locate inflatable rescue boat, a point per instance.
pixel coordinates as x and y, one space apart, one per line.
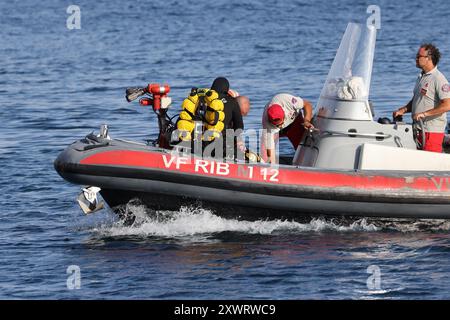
350 165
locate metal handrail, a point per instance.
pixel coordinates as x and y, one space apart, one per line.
370 135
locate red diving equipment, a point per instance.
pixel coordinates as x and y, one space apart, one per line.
157 91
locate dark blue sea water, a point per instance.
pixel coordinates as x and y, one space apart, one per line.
57 85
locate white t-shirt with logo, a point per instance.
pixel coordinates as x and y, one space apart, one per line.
430 89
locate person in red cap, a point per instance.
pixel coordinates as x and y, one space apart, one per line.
282 117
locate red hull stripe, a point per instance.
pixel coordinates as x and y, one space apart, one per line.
153 160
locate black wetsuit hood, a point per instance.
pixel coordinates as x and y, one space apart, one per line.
221 85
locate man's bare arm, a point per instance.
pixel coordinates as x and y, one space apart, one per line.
308 114
443 107
403 110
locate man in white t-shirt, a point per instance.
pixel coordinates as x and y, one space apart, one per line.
431 98
282 117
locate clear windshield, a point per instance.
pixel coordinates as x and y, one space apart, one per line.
351 71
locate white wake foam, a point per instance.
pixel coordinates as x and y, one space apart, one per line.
198 221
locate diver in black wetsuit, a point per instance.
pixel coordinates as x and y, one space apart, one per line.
233 117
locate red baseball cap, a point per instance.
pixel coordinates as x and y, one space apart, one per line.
275 114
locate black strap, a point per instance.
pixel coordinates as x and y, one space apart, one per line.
190 113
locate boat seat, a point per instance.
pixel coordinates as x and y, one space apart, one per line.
380 157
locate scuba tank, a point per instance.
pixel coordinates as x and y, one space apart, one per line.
214 115
202 105
186 122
